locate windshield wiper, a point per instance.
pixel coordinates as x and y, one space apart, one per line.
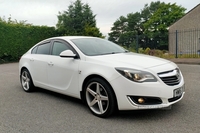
110 53
126 51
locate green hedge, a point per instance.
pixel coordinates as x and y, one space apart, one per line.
16 39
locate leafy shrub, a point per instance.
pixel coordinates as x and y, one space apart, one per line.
16 39
147 50
141 50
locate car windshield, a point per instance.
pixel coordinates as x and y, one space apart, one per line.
97 46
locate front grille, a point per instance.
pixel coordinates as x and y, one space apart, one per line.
170 78
173 80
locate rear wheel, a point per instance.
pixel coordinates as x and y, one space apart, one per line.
99 97
26 81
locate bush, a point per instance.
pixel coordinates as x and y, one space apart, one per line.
141 50
147 50
16 39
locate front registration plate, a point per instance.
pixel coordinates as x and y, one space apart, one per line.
178 92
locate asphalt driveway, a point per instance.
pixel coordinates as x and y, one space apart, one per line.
47 112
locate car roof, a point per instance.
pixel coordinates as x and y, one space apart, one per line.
67 38
71 37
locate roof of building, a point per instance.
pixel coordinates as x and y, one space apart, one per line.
185 14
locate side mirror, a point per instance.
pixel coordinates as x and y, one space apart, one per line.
67 54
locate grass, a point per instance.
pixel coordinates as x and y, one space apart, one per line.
164 53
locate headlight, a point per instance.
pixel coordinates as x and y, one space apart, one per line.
137 75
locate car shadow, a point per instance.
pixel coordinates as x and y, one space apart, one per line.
59 96
123 115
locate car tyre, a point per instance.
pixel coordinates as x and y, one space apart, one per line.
26 81
100 97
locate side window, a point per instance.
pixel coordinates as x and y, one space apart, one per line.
58 47
43 49
34 50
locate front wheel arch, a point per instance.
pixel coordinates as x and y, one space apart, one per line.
90 77
83 96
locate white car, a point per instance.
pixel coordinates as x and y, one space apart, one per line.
104 75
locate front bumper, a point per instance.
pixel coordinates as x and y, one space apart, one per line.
158 94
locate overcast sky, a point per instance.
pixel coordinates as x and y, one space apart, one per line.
44 12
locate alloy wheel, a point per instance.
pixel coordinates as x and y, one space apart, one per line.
97 98
25 79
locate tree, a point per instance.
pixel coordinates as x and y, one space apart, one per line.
156 28
146 13
119 28
148 28
149 10
134 30
78 20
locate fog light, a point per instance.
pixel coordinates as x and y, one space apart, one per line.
141 100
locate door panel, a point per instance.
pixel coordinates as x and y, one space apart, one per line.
38 68
38 64
62 73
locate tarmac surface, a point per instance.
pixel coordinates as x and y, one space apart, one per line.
194 61
43 111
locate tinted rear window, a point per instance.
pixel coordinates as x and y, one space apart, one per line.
43 49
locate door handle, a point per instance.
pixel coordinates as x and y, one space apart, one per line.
31 59
50 64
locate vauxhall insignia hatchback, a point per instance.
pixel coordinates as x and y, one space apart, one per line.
102 74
